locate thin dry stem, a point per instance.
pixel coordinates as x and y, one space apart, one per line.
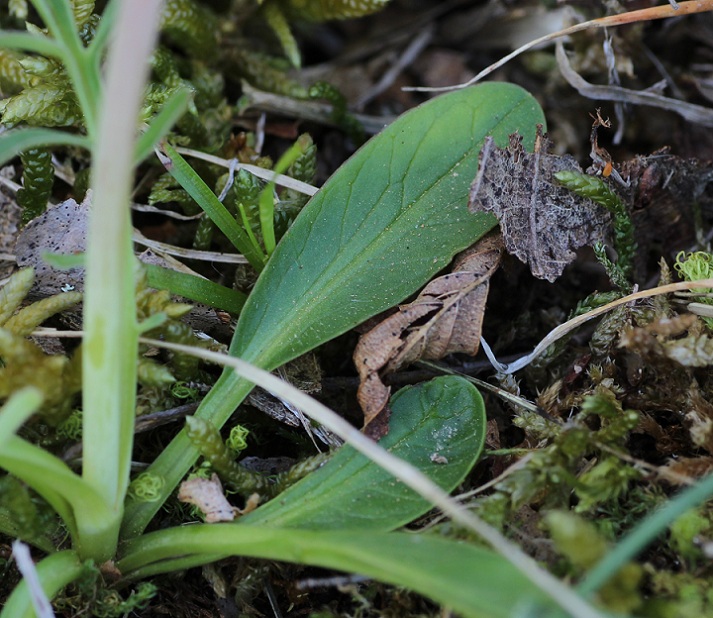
650 14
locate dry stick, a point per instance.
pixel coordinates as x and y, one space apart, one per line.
691 112
563 329
656 12
189 254
569 600
306 110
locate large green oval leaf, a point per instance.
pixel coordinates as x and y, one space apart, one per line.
390 218
439 427
387 220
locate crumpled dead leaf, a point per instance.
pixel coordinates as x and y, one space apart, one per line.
446 318
683 470
543 223
208 496
699 419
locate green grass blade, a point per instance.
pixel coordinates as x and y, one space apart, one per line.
54 572
15 141
207 200
469 580
644 534
196 289
267 204
442 418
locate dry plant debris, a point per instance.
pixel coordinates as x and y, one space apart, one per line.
543 223
61 229
446 318
208 496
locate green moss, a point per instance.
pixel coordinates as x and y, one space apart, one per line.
687 532
597 190
37 181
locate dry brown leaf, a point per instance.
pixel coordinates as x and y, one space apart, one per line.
686 468
543 223
699 419
446 317
207 495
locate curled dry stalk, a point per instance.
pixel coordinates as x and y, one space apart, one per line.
563 329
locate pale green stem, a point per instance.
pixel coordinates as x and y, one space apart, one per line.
59 20
111 331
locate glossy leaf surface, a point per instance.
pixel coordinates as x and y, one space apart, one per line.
439 427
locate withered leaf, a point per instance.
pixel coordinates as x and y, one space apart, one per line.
208 496
682 469
543 223
61 229
699 419
446 317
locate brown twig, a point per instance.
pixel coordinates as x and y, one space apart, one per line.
693 113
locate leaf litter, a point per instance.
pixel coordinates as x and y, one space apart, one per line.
543 223
445 318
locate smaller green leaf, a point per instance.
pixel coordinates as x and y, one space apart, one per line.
18 408
153 321
25 41
171 111
65 261
438 427
54 572
59 19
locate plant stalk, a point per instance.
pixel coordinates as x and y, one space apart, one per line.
111 330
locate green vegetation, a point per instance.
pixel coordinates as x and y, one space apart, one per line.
139 86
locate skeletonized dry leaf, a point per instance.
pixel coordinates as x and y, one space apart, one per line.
543 223
446 317
61 229
207 495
